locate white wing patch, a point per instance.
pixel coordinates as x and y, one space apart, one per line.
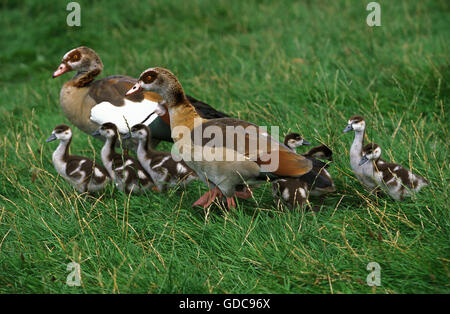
131 112
181 169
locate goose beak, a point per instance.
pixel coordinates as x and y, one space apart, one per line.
63 68
363 160
96 133
51 138
306 143
136 88
348 128
125 136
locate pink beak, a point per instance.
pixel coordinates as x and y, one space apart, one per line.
136 88
63 68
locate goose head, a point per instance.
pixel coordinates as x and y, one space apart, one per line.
294 140
371 151
140 132
61 132
355 123
81 59
158 80
107 130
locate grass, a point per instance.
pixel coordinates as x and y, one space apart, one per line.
305 66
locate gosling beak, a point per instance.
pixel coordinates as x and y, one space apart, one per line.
136 88
63 68
96 133
125 136
348 128
51 138
306 143
363 160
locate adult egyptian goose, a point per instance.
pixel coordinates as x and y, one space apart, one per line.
126 172
394 179
358 125
164 170
83 173
210 149
88 103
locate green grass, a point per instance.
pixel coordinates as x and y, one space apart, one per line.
303 65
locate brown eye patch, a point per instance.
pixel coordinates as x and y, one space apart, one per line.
149 77
76 56
73 56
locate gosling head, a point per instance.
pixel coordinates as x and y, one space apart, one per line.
140 132
294 140
355 123
61 132
81 59
107 130
158 80
370 152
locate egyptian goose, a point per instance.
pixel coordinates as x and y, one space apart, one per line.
225 168
83 173
294 140
88 103
164 170
357 124
390 177
126 172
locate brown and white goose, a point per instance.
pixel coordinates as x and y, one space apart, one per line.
126 172
88 103
164 170
83 173
294 140
225 165
394 179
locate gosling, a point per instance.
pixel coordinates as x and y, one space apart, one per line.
357 124
83 173
126 172
294 140
164 170
394 179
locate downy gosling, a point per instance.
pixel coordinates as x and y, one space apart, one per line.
83 173
392 178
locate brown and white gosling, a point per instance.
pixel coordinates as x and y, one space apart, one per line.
294 140
164 170
83 173
126 172
357 124
394 179
294 192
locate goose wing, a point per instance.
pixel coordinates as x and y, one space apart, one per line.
111 104
253 143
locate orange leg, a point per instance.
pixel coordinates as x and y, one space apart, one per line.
230 202
206 199
247 193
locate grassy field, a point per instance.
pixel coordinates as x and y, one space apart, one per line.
306 66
